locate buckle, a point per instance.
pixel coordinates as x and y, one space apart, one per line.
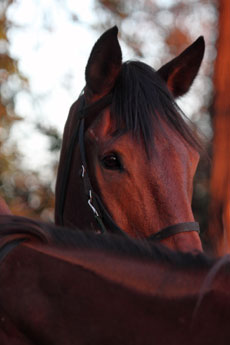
90 200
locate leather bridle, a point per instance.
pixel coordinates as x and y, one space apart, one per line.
101 215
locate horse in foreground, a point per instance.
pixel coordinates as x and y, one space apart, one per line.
61 286
128 156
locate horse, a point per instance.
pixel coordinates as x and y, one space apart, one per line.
128 156
129 178
64 286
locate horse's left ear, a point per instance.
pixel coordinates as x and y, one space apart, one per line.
103 66
180 72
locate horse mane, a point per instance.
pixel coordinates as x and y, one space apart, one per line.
140 98
23 229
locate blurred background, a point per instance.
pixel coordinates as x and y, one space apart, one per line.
44 47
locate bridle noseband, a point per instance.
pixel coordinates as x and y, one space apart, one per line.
95 203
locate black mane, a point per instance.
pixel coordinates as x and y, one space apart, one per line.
140 96
16 229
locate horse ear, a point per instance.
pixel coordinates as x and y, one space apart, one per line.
180 72
103 65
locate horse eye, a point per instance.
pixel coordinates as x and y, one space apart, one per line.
112 162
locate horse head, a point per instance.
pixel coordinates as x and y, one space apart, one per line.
128 156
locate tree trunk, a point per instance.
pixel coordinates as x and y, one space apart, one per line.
219 226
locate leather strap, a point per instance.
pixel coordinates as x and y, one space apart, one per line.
100 213
175 229
85 111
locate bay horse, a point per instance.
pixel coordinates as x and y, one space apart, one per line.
63 286
128 156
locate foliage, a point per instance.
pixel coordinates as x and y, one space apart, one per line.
23 190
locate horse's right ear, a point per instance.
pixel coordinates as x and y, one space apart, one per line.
103 66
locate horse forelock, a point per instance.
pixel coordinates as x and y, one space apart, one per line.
141 99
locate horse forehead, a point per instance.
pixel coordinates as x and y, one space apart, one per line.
102 126
103 132
168 144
